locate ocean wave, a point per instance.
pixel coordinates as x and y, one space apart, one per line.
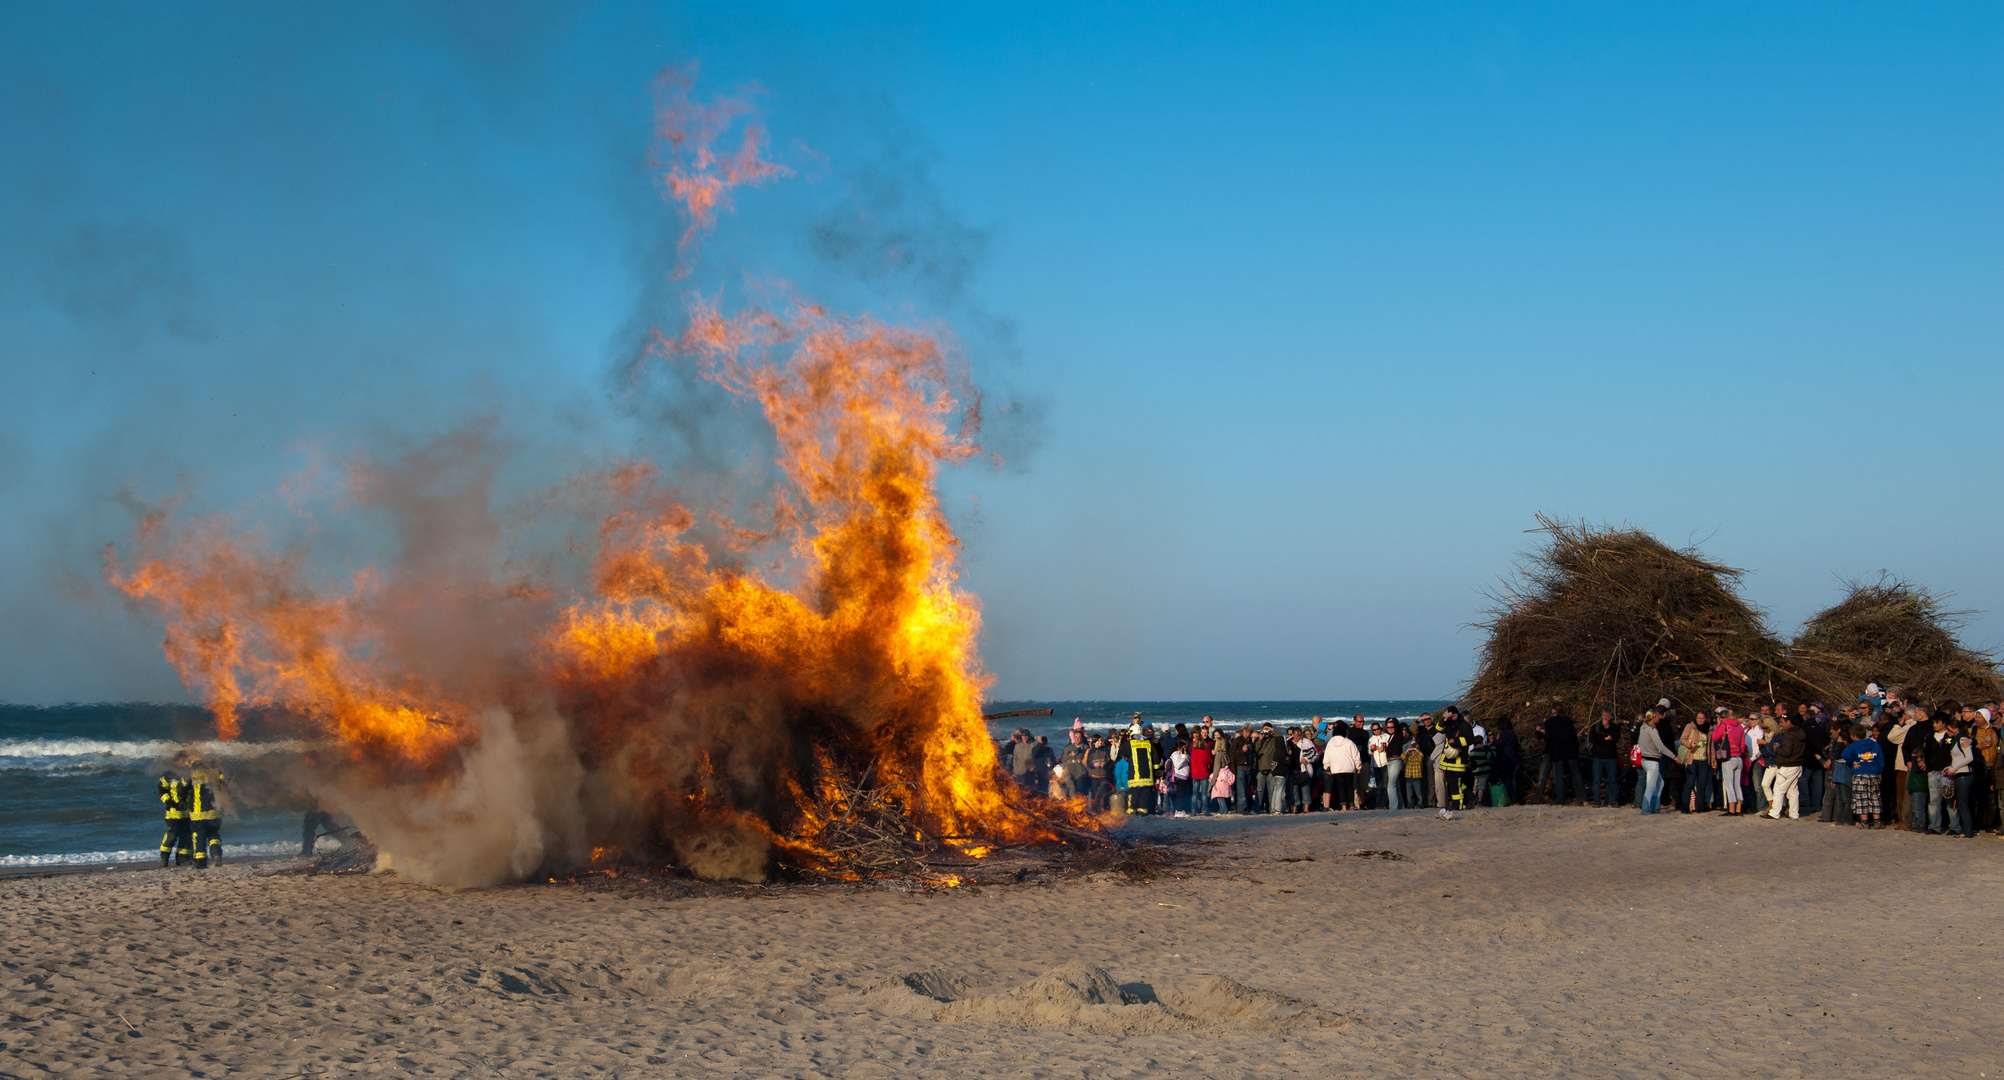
18 753
91 858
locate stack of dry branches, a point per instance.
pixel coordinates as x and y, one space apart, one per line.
1896 634
1615 617
869 831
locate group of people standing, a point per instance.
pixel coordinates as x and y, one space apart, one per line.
1211 769
191 799
1882 761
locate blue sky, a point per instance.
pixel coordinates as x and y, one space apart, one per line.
1308 309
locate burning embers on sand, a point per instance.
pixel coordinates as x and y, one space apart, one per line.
716 692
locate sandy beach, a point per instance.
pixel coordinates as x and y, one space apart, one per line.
1519 942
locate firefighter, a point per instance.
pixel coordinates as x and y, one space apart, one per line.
176 798
1454 762
205 813
1141 778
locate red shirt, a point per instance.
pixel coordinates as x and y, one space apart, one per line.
1200 763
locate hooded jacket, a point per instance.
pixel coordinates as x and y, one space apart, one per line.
1342 757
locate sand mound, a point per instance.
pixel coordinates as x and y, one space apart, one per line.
1222 1000
1082 997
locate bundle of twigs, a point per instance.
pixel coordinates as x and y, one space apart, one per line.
1615 617
356 855
869 831
1894 633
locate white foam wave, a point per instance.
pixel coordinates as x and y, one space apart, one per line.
92 858
17 753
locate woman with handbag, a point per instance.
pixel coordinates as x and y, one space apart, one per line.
1729 748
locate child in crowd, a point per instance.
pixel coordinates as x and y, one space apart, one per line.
1837 789
1865 762
1415 771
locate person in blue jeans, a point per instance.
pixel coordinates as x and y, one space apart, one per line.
1962 775
1654 750
1603 742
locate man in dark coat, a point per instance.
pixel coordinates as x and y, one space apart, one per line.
1562 750
1603 740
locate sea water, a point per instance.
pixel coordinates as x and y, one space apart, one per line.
80 783
80 779
1107 715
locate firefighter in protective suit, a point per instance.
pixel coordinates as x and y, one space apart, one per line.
205 814
1141 778
177 799
1454 761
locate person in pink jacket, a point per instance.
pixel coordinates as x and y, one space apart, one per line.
1729 749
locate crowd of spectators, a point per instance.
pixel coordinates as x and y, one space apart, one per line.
1880 762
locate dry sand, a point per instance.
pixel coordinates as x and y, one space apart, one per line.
1519 942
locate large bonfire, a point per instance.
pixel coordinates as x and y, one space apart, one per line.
683 703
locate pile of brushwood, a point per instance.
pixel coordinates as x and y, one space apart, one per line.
869 834
1896 634
1603 617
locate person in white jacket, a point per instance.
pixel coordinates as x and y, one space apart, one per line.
1340 763
1380 747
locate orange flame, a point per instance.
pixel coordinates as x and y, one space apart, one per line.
706 703
693 170
244 629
